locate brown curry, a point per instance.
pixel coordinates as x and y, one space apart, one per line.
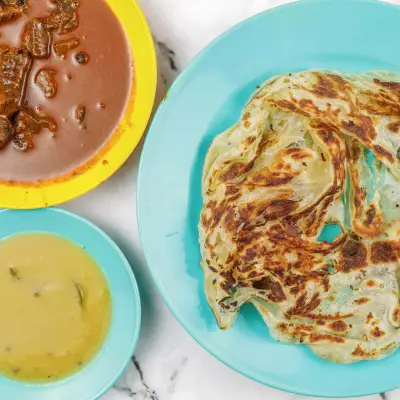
65 80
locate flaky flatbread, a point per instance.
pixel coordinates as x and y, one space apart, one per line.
312 149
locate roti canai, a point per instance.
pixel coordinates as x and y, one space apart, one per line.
312 151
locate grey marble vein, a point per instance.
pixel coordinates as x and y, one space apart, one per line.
167 65
152 393
133 385
173 379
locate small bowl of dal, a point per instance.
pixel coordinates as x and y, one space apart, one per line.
69 309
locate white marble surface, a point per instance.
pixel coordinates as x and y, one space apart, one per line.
168 363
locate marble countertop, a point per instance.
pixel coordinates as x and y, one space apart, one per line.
168 364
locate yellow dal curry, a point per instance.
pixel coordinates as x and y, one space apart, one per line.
55 307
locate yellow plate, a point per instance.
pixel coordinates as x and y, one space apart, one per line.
123 141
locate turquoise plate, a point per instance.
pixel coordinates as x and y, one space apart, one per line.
101 373
348 35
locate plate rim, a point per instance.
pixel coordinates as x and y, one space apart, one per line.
180 80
